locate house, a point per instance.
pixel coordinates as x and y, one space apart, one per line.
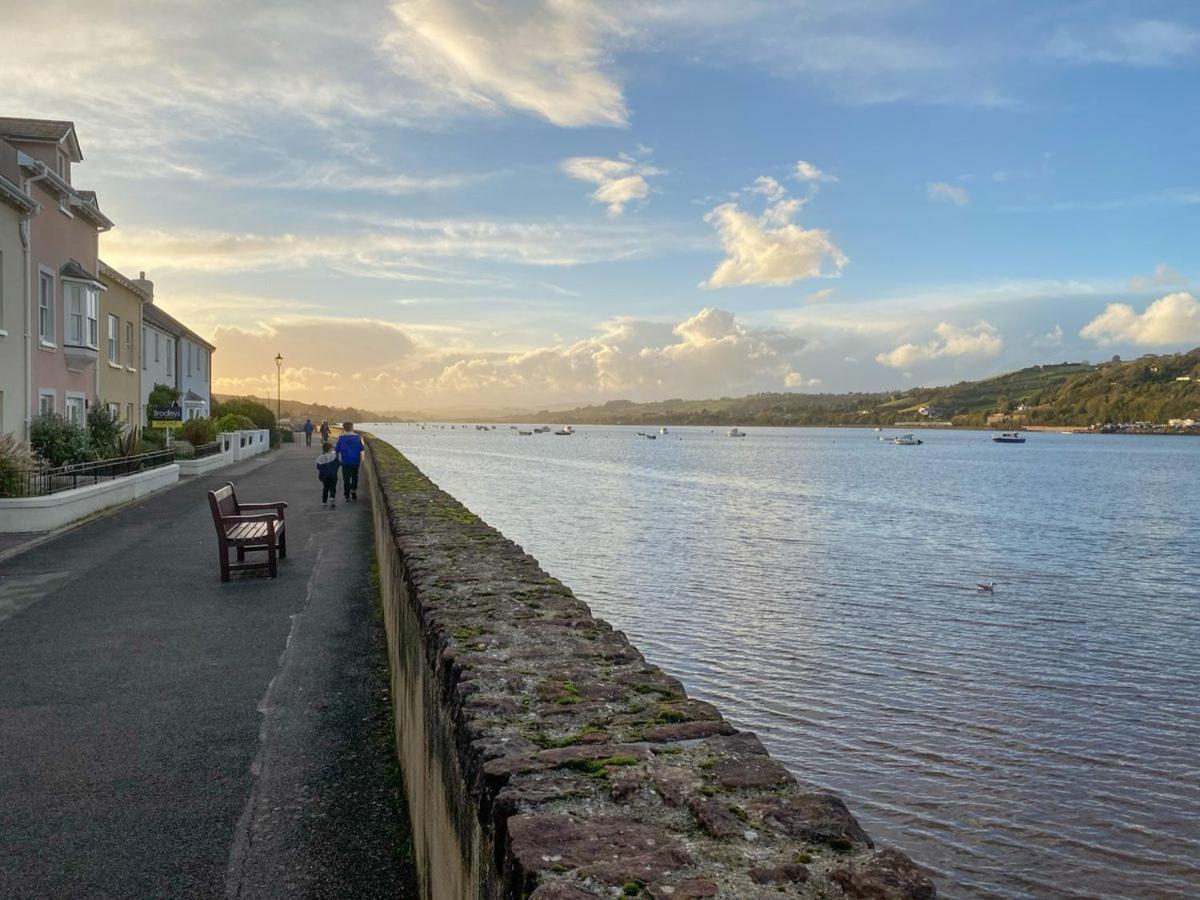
16 209
175 355
121 343
63 266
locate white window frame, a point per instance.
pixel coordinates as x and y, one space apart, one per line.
170 358
129 361
91 305
67 404
114 409
114 340
156 343
47 321
189 358
145 341
81 303
47 394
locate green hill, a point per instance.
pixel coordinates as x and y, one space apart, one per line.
1150 389
299 410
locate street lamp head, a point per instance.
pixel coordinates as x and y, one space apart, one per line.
278 359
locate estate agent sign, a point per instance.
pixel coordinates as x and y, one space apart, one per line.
166 416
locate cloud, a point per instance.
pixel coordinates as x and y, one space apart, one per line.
383 366
1173 319
822 296
806 171
381 247
1162 276
1149 43
950 193
620 181
770 249
980 340
1051 339
546 57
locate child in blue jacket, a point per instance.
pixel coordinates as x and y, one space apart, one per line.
327 471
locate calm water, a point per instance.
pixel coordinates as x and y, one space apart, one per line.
818 585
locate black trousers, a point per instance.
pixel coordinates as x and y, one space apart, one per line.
308 439
328 488
349 479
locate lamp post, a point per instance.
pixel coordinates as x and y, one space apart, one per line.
278 376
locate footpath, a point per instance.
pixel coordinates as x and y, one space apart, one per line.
164 734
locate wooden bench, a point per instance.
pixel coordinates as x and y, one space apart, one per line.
244 527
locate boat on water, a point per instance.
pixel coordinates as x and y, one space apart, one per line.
565 430
736 432
907 440
663 430
525 433
542 429
1008 437
652 437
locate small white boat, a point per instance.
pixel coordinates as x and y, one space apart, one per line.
736 432
907 440
1008 437
663 430
565 430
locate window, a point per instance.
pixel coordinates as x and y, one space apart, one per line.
114 340
170 357
114 410
45 402
203 365
156 346
83 326
188 344
143 346
129 414
129 344
76 410
46 307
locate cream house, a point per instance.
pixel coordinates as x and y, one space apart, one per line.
16 209
121 342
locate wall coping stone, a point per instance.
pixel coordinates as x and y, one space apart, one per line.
591 771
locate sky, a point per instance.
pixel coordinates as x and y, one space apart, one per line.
464 204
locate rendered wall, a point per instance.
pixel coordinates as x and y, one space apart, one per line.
545 758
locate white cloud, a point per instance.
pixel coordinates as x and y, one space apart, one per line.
770 249
950 193
620 181
806 171
1162 276
1051 339
822 296
382 365
547 57
1173 319
982 339
1150 42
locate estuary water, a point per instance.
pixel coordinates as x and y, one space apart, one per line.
818 585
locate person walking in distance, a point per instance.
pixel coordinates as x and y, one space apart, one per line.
324 431
327 469
308 430
350 449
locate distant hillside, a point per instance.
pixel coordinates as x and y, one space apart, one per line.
1149 389
300 410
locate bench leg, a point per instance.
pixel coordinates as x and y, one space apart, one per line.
271 567
241 554
283 546
223 556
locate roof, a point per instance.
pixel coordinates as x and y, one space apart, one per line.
193 397
108 273
163 321
43 131
72 269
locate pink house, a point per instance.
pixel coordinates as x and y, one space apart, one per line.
62 270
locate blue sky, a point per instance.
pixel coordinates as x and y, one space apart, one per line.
461 205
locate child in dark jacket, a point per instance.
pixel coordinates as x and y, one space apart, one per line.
327 471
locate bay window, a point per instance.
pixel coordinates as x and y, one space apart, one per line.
114 340
83 326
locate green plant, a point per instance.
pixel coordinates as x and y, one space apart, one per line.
104 430
14 460
234 422
130 443
59 442
198 431
161 395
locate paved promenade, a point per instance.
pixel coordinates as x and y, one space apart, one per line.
163 734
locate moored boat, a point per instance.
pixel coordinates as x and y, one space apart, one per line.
1008 437
736 432
907 440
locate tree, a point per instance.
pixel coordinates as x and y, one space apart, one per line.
104 429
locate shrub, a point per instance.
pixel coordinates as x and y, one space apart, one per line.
161 395
261 416
104 430
198 431
59 442
235 422
14 460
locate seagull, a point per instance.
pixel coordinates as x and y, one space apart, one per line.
987 587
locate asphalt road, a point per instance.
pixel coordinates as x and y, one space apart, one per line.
166 735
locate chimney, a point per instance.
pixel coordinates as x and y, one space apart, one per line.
147 286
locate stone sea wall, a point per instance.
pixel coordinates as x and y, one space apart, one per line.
544 758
